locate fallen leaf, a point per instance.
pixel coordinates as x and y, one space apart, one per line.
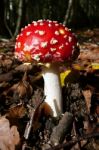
63 76
9 137
17 111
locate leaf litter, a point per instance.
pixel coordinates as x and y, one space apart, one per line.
26 121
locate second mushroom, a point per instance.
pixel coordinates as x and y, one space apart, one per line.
48 43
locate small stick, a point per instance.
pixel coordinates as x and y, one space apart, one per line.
29 124
73 142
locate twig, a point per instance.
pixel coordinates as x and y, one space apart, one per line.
62 129
6 24
29 124
73 142
68 11
19 18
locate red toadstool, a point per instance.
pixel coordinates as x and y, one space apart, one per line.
46 41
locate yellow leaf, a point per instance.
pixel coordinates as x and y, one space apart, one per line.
63 76
95 66
78 67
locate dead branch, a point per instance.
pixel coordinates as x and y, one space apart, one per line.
73 142
30 123
61 129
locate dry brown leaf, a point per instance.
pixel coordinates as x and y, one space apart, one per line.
17 111
15 134
43 109
24 67
87 54
22 88
7 63
6 76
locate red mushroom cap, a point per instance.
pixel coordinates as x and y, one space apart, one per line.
45 41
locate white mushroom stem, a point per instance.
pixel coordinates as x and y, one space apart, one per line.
52 89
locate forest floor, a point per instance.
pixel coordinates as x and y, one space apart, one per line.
25 121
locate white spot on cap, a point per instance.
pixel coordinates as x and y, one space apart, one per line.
41 23
56 24
47 55
22 29
40 32
53 49
19 55
65 36
56 32
21 34
55 21
66 43
53 41
73 49
36 56
69 38
49 21
16 54
66 28
27 47
35 42
17 37
29 25
26 27
18 44
36 31
40 20
34 23
28 33
61 46
57 55
44 44
15 46
77 44
49 25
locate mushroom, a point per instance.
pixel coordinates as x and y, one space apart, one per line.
48 43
